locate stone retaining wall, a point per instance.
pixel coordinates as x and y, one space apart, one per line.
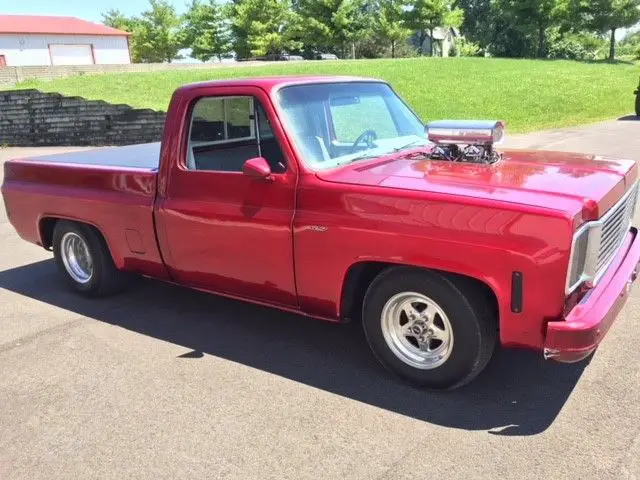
34 118
11 75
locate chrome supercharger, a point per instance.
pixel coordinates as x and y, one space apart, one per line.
469 141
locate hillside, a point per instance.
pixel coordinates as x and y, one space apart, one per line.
528 94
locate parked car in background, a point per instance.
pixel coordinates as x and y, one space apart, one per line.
285 57
326 56
316 55
325 196
277 57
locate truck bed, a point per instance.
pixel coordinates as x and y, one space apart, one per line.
145 156
110 188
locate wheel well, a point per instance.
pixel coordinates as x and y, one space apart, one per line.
360 275
478 290
46 227
357 281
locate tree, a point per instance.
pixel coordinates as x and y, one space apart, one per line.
206 31
478 21
531 18
609 16
525 28
390 23
263 27
427 15
333 25
116 19
157 33
353 22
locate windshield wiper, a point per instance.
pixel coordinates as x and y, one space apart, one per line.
361 157
375 155
410 144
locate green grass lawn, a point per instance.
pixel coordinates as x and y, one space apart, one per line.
528 94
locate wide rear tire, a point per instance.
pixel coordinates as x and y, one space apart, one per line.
84 260
428 329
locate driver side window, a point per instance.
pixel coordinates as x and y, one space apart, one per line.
354 115
225 132
222 134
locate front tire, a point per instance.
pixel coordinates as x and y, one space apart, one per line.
83 258
427 329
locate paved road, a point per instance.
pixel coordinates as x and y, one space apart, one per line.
163 382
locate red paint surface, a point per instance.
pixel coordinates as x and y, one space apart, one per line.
290 240
39 24
113 200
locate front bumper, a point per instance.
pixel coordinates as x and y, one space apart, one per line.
581 331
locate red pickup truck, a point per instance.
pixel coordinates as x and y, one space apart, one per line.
327 196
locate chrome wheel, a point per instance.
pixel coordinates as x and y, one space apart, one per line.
417 330
76 257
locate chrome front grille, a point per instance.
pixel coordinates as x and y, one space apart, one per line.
615 225
596 243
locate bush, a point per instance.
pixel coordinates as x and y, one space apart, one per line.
629 46
375 49
467 48
579 46
403 50
626 50
370 48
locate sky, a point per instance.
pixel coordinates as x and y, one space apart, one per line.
86 9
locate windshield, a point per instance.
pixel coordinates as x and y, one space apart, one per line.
334 124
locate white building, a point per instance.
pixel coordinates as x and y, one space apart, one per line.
444 39
38 40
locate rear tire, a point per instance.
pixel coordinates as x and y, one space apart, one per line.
449 338
83 258
638 103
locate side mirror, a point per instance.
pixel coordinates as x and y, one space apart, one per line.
257 168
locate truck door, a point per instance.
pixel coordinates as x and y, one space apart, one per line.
218 228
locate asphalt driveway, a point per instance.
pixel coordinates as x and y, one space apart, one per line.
163 382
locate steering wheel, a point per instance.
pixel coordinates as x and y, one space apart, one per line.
368 136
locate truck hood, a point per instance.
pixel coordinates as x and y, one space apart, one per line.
560 181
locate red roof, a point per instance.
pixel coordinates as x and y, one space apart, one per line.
54 25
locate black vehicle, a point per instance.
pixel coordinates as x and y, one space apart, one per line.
637 92
277 57
284 57
311 54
